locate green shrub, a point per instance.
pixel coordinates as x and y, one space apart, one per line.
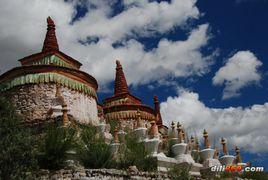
17 144
113 124
55 145
133 153
255 175
180 172
93 152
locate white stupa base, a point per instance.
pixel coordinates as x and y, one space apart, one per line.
140 134
151 145
211 162
207 154
159 155
227 159
195 169
185 158
179 149
165 164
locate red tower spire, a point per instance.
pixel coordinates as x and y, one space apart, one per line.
157 111
50 42
120 84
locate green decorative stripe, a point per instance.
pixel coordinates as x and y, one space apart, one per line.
48 78
52 59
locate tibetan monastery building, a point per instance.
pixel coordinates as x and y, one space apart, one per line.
124 107
47 80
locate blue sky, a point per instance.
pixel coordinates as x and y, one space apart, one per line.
206 60
235 26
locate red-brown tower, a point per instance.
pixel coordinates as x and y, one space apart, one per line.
50 42
32 86
120 84
124 107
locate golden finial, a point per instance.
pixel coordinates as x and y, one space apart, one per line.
172 125
180 134
172 134
237 150
183 135
206 141
224 147
238 158
140 123
192 139
205 133
178 125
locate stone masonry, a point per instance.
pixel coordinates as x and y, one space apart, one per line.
35 101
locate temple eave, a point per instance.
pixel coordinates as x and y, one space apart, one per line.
73 75
30 59
123 95
127 112
126 107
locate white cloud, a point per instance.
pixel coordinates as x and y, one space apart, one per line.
180 59
22 30
244 127
23 26
143 18
240 70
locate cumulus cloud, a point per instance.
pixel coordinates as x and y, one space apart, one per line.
22 27
244 127
22 30
239 71
142 18
179 59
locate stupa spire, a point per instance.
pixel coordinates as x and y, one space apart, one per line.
157 111
173 133
120 84
180 135
206 141
50 42
153 132
238 158
224 147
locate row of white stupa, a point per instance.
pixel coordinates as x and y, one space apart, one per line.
183 151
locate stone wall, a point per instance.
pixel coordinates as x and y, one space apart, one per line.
101 174
35 101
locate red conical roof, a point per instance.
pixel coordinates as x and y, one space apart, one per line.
50 43
120 84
